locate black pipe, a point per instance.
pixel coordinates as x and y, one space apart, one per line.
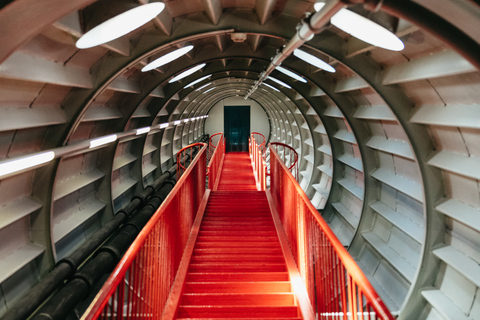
105 259
435 25
67 267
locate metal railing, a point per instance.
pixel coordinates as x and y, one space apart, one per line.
216 161
288 155
258 162
185 156
337 287
140 284
261 141
212 144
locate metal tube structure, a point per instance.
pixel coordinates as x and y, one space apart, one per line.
307 30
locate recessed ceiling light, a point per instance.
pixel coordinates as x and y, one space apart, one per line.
187 73
163 125
291 74
197 81
177 122
209 89
364 29
271 87
169 57
309 58
120 25
279 82
204 86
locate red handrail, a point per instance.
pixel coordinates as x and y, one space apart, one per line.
182 157
335 284
293 165
212 146
216 162
140 284
261 141
258 163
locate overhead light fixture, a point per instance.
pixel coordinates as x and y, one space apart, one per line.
309 58
364 29
186 120
291 74
209 90
187 73
177 122
102 141
279 82
271 87
120 25
197 81
204 86
169 57
17 165
143 130
163 125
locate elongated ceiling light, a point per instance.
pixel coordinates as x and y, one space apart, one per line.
17 165
204 86
271 87
309 58
187 73
291 74
103 140
364 29
197 81
120 25
279 82
169 57
143 130
209 89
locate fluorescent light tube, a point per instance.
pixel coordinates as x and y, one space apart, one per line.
187 73
169 57
102 141
120 25
25 162
291 74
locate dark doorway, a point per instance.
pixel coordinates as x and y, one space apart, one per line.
236 123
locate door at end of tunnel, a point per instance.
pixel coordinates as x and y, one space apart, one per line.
237 128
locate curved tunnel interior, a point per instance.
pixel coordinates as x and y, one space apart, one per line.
388 143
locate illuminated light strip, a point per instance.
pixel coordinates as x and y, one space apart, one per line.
23 163
311 59
102 141
279 82
163 125
169 57
177 122
364 29
187 73
120 25
209 90
271 87
204 86
143 130
291 74
197 81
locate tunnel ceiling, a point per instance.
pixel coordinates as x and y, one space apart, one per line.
389 143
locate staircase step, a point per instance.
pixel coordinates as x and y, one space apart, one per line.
237 299
241 267
238 287
234 238
236 244
235 277
231 312
236 250
278 258
237 233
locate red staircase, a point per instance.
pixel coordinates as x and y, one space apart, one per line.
237 269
